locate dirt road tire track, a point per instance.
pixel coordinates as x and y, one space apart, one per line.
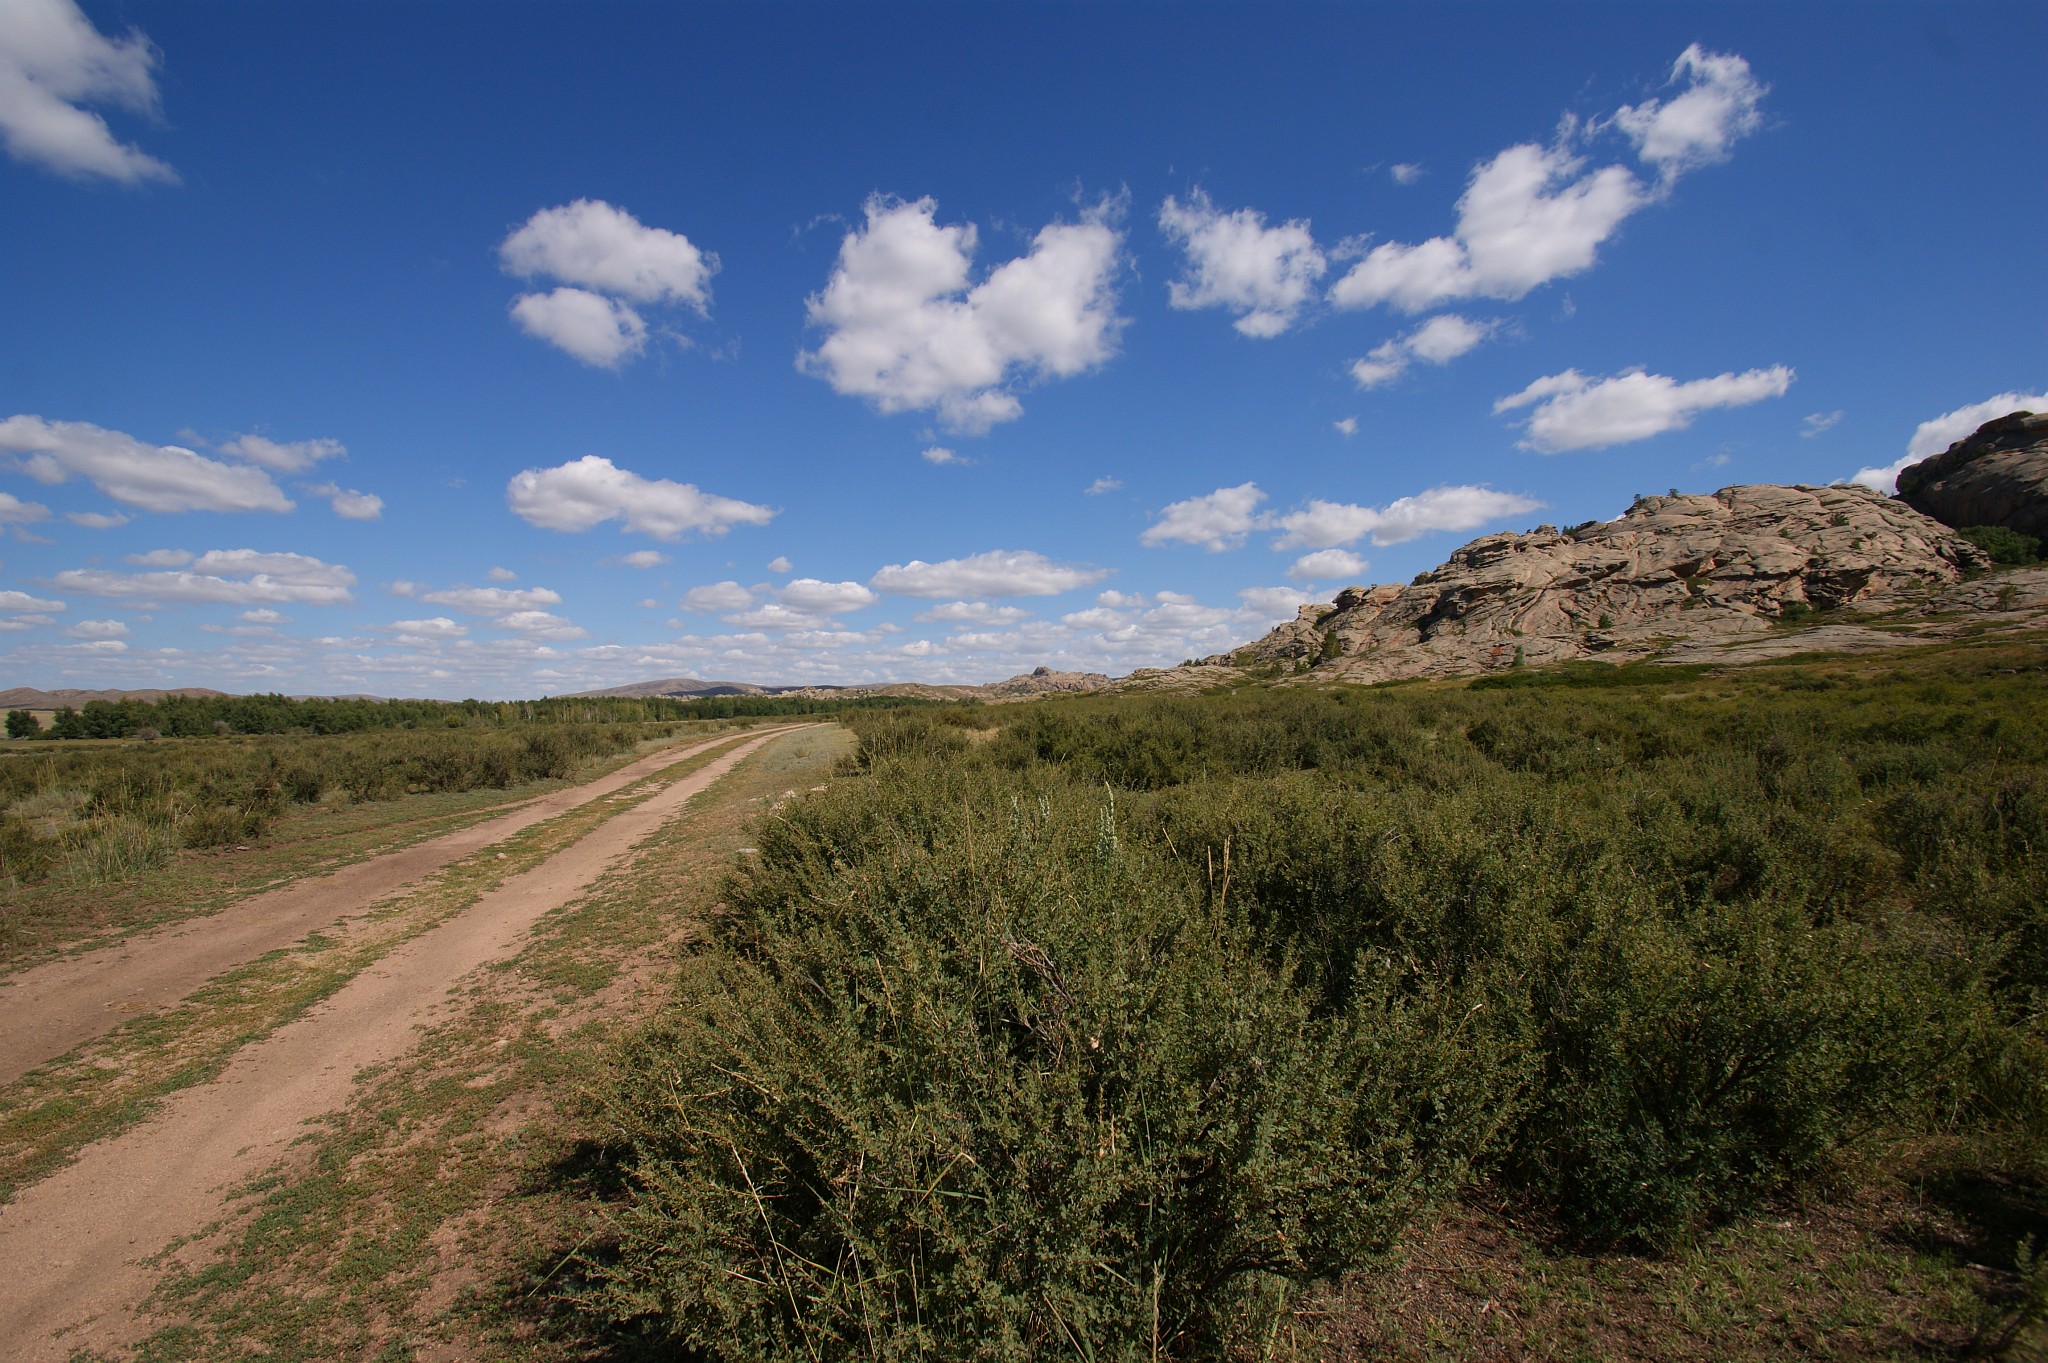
51 1008
72 1247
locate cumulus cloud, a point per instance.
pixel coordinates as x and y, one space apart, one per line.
151 477
1326 525
1936 434
14 602
1346 426
1532 214
1573 412
779 564
999 572
501 575
718 596
239 577
294 456
597 330
644 558
14 511
1325 564
52 63
1696 128
97 520
98 629
1266 275
1818 423
348 503
824 598
1438 341
1101 486
433 627
939 454
503 601
540 625
265 616
598 246
1215 521
1268 605
161 558
906 329
583 492
1405 172
971 613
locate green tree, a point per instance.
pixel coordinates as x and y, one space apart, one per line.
22 724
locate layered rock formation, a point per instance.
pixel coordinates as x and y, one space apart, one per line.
1740 563
1997 476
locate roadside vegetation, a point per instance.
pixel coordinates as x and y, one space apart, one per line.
1180 1027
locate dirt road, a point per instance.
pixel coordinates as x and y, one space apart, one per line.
51 1008
72 1246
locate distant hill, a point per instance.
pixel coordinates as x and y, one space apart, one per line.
29 698
689 688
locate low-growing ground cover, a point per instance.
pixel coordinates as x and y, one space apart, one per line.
1115 1026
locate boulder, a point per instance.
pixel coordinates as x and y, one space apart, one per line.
1996 476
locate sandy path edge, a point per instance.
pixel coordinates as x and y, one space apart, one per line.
53 1007
72 1246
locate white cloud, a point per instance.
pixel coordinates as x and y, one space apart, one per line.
98 520
1695 128
1438 341
1405 172
52 62
348 503
775 615
939 454
579 494
265 617
1817 423
1266 605
824 598
719 596
1102 485
152 477
1533 214
779 564
294 456
487 600
1933 436
161 558
1266 275
433 627
644 558
14 511
597 330
502 575
965 613
223 576
1346 426
13 601
539 625
1215 521
999 572
1326 525
1573 412
598 246
98 629
1325 564
905 330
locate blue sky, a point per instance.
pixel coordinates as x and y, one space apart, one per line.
508 350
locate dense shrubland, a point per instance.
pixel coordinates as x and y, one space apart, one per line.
1100 1025
92 813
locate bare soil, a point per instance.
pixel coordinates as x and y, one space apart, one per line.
76 1248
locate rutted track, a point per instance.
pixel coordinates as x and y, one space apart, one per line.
72 1248
51 1008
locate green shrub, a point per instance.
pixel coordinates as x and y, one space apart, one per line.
985 1081
2003 545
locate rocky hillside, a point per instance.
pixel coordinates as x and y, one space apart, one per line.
1998 476
1737 575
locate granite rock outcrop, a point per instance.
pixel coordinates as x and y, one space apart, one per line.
1998 476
